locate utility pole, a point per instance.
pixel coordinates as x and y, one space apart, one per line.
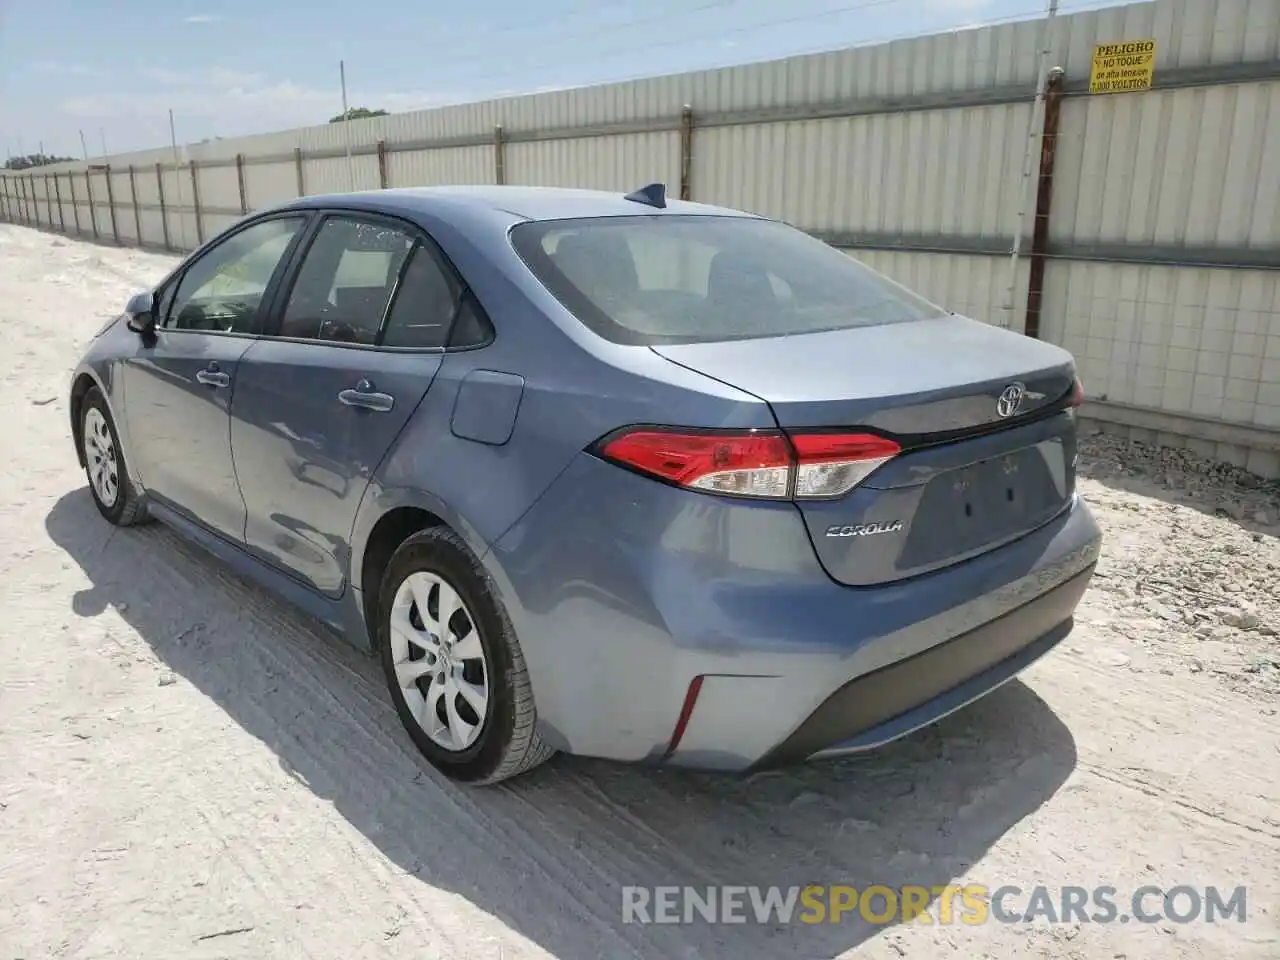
103 134
346 126
177 175
84 147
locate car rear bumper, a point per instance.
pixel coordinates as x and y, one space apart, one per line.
881 706
624 592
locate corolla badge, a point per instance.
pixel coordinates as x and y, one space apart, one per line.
1010 399
864 529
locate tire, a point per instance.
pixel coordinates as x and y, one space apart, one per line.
118 502
506 742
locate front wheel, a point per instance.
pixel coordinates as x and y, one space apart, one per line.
104 464
453 664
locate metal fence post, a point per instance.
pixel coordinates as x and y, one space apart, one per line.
93 214
137 213
382 164
48 199
75 207
195 199
499 156
35 199
57 192
244 201
686 153
164 217
111 204
297 162
1044 195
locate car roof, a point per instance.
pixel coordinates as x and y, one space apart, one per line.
525 203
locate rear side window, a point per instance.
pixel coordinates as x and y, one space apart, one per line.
346 281
692 279
425 304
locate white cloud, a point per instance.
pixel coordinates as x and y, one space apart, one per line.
228 103
212 77
65 69
202 18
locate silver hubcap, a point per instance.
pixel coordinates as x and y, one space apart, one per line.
100 458
439 661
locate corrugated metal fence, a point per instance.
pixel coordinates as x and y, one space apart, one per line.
1158 257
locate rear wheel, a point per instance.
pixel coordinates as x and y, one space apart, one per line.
453 664
104 464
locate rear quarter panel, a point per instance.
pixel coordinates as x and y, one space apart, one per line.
576 388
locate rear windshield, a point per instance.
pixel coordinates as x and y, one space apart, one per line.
690 279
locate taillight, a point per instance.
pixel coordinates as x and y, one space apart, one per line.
830 464
752 463
749 464
1077 393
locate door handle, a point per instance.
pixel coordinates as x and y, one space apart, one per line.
366 397
211 376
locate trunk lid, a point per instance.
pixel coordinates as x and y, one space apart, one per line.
969 479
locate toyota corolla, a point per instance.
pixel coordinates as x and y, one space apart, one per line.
603 474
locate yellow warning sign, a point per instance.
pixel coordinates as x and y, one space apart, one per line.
1122 67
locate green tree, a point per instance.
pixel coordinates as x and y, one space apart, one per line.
357 113
34 160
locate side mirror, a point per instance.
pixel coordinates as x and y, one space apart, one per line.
139 313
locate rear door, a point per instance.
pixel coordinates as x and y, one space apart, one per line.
178 387
355 341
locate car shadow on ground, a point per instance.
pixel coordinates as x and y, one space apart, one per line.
570 836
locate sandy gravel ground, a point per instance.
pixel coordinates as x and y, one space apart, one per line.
190 769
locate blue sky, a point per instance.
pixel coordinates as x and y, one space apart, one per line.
233 67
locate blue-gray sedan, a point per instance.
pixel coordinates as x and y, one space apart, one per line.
612 475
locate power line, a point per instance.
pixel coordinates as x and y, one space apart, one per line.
624 25
599 55
697 38
1026 14
505 30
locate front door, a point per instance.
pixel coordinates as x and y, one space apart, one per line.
322 398
179 386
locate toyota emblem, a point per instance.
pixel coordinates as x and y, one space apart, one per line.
1010 399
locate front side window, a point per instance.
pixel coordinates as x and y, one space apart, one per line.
692 279
222 291
346 282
